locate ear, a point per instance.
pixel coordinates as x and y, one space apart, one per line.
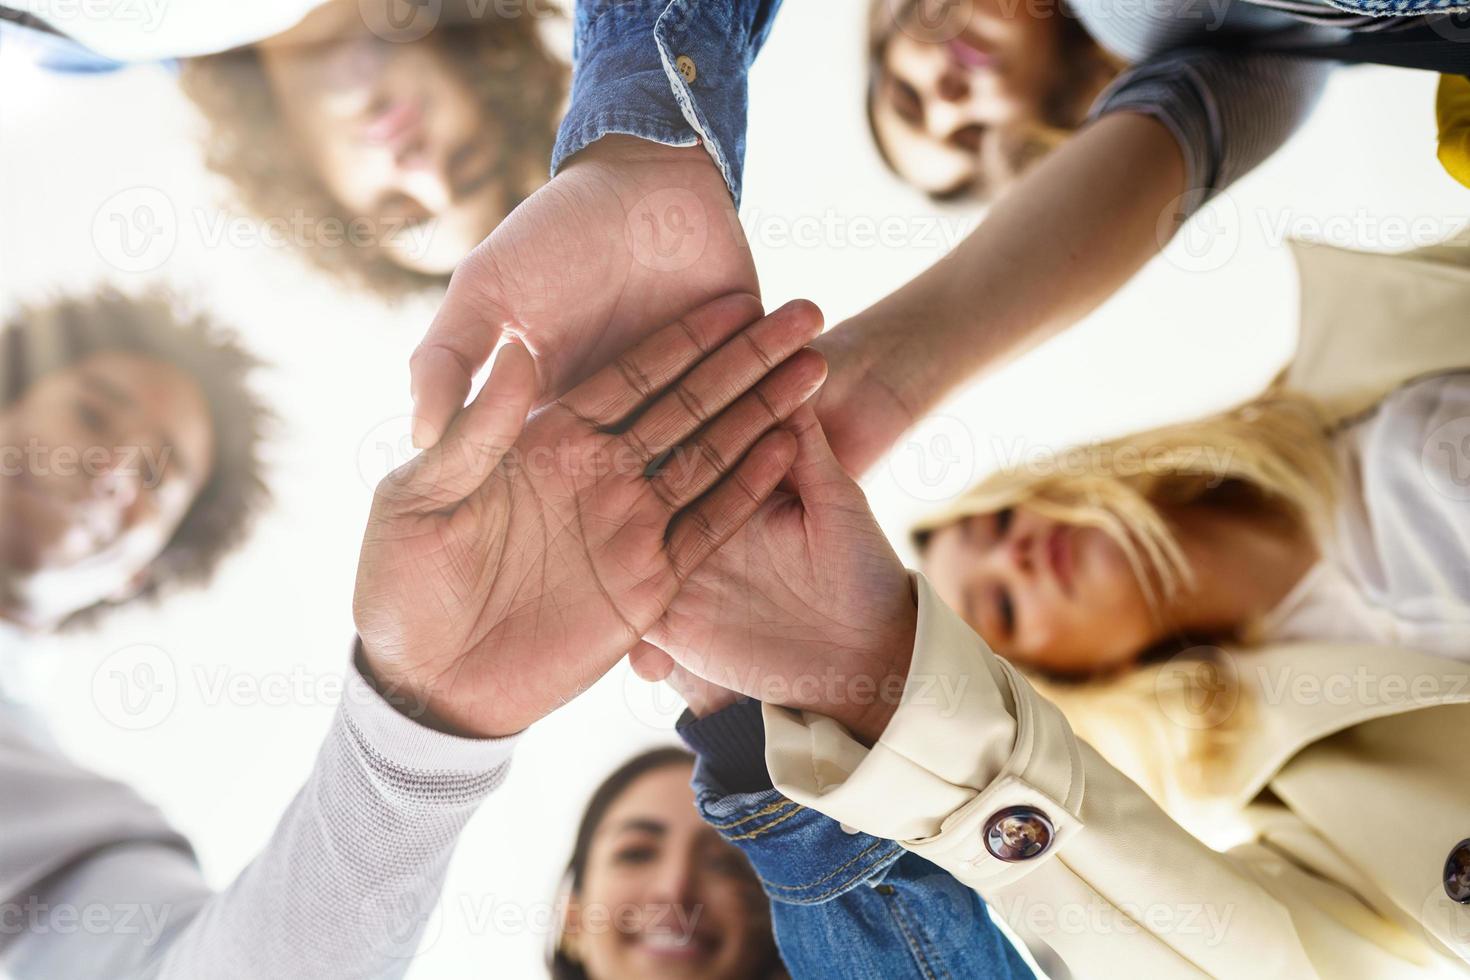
571 928
131 588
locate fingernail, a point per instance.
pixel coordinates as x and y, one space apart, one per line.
423 434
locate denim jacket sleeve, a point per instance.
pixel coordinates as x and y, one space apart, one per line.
670 71
842 904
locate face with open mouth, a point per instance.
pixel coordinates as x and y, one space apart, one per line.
398 136
942 104
99 464
664 896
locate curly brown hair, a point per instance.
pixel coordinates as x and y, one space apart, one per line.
519 84
40 339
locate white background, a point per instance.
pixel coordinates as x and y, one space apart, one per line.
276 625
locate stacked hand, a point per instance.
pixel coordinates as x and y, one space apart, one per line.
625 238
512 564
806 606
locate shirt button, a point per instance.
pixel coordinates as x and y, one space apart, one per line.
1457 873
686 67
1018 833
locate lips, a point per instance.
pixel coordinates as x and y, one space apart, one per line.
676 946
393 123
967 54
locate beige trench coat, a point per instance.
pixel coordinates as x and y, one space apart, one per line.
1343 772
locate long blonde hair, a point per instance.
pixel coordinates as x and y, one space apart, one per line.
1272 452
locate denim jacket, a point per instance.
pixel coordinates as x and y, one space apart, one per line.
843 904
670 71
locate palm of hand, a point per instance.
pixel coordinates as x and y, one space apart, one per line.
489 609
584 268
808 591
512 563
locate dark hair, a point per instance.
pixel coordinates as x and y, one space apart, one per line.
38 340
517 81
1063 110
614 786
563 967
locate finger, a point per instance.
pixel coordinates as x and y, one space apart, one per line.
458 343
479 437
642 371
649 662
702 528
723 377
817 476
699 464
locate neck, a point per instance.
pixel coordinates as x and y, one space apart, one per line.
1244 563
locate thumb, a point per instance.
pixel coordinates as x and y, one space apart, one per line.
478 438
816 475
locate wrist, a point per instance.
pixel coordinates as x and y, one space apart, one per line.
620 150
870 697
416 702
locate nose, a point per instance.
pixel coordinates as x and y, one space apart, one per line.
674 883
1022 553
117 483
953 85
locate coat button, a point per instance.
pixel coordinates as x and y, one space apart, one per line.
685 65
1457 873
1018 833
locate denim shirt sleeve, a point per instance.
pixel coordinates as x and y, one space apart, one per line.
843 904
626 77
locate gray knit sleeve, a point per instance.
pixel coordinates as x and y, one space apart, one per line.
1228 111
342 890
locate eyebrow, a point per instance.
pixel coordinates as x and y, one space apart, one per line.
116 394
120 397
642 825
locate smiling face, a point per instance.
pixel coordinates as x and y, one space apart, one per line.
940 108
663 895
99 464
398 137
1056 597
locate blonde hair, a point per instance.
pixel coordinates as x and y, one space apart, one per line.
1272 453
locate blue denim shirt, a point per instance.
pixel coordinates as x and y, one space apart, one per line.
845 905
626 76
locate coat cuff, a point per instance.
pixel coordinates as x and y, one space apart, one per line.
970 745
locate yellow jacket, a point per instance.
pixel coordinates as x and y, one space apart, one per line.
1344 770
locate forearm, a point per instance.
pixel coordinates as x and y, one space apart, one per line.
1067 236
838 896
342 889
980 775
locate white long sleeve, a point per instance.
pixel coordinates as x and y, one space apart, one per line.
94 883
